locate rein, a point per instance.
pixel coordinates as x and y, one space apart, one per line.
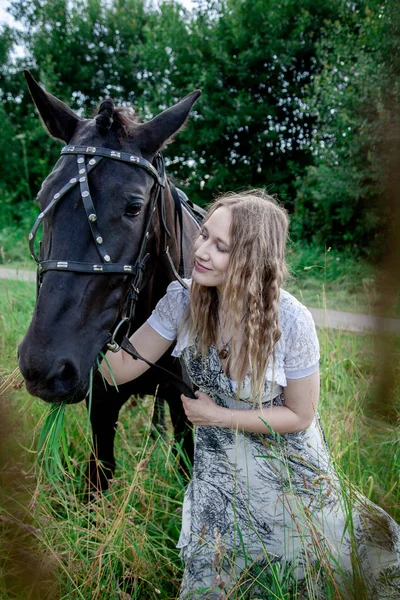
106 265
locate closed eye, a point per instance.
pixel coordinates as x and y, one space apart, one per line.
204 234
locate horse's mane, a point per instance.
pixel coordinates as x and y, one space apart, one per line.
127 120
122 119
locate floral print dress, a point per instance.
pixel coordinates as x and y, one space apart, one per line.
267 511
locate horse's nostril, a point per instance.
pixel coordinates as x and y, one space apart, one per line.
57 384
32 375
67 371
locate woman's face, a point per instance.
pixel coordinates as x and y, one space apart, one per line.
211 249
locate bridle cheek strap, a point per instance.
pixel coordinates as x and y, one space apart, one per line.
106 266
96 154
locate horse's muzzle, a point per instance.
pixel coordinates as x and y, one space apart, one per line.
52 380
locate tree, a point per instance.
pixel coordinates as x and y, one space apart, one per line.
75 50
252 59
339 200
292 94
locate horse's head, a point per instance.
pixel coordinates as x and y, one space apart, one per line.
95 218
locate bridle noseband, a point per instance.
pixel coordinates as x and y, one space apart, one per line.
106 265
84 169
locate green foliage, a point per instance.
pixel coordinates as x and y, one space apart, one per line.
332 279
252 60
340 200
297 98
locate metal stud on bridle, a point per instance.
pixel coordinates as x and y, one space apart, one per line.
106 266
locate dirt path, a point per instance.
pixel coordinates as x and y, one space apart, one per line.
330 319
17 274
348 321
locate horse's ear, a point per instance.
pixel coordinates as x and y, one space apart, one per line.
155 134
60 121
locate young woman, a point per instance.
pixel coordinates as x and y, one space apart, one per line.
264 494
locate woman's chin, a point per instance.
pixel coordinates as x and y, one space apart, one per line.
205 279
201 278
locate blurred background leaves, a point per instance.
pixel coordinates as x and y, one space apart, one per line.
295 99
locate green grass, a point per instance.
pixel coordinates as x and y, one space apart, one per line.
14 240
17 300
320 279
333 280
123 544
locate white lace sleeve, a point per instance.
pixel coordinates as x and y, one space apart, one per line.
302 346
168 314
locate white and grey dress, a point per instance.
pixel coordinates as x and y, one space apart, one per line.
261 508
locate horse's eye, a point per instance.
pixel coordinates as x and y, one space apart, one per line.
132 210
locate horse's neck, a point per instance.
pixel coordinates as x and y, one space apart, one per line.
160 273
169 242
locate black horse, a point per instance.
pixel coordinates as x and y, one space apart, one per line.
114 237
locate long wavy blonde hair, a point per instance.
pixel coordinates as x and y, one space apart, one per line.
250 297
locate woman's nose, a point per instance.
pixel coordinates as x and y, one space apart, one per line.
202 251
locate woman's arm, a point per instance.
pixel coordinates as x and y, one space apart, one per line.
150 344
301 401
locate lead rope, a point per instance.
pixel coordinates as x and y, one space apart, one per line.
106 266
125 344
170 377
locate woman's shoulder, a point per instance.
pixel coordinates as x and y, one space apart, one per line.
177 297
289 303
291 310
170 309
178 292
176 285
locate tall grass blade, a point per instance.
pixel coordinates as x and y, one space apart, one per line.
109 368
52 445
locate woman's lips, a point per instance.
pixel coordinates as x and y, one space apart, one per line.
200 267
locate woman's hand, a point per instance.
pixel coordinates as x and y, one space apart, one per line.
203 410
148 343
301 401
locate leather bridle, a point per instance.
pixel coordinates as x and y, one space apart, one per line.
97 155
106 266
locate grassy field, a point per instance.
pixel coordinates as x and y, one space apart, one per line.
321 279
122 545
333 280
